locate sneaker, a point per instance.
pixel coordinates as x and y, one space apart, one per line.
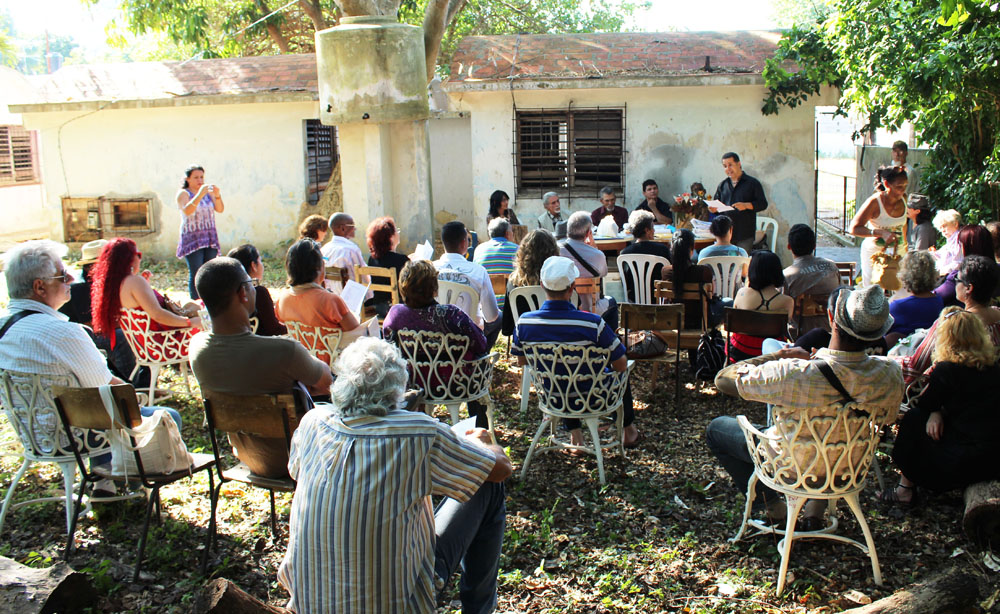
104 489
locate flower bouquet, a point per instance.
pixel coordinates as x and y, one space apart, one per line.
689 206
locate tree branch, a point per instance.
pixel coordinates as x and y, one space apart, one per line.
314 12
437 16
273 30
358 8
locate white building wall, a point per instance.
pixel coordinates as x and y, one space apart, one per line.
22 209
674 135
255 153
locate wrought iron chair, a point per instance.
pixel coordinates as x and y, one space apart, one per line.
31 412
823 453
438 365
523 300
156 349
83 408
727 272
322 342
639 269
572 382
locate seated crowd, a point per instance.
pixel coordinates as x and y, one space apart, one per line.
358 424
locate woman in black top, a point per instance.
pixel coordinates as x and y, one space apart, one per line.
685 271
383 239
949 440
267 323
500 207
642 223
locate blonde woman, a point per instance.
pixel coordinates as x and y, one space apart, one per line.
535 247
948 222
949 440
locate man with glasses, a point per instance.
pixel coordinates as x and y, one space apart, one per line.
608 207
551 217
341 251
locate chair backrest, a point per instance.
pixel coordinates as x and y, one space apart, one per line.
499 281
768 224
847 273
437 364
264 415
588 290
819 451
651 317
462 296
336 274
322 342
84 408
571 380
638 269
727 272
524 299
691 292
377 271
31 411
756 323
161 346
809 306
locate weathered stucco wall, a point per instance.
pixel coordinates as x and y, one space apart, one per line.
674 135
253 152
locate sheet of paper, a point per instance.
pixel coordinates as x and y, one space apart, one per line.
423 251
354 295
719 206
463 426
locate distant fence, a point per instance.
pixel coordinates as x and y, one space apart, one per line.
835 199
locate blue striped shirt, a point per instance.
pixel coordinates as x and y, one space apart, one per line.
362 524
561 322
497 257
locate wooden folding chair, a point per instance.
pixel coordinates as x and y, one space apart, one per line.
668 320
378 272
271 416
499 281
588 289
756 323
847 272
83 408
809 306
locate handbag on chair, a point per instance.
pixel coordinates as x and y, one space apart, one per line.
157 439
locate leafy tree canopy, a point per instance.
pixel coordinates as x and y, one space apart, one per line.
934 63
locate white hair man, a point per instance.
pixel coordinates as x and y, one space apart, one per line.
552 215
35 338
365 475
579 246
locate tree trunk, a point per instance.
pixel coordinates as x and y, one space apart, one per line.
223 597
359 8
272 30
437 16
943 593
314 12
27 590
982 514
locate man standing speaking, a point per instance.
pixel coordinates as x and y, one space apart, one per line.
745 194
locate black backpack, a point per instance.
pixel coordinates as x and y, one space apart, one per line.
710 356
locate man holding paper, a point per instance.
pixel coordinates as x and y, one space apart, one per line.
745 195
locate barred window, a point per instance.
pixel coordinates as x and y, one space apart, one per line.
321 156
579 150
18 162
86 219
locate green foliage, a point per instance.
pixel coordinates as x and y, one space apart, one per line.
8 54
788 13
932 63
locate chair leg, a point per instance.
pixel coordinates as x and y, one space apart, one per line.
10 491
595 438
145 532
186 376
751 495
794 507
852 502
274 517
69 479
525 389
534 441
210 538
74 511
455 411
154 375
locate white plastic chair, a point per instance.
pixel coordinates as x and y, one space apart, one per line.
155 348
822 453
533 297
765 223
571 382
437 364
728 273
461 295
322 342
27 401
639 268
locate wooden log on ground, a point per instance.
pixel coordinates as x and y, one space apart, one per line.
223 597
982 514
29 590
947 592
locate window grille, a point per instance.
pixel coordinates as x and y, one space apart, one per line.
18 162
86 219
577 151
322 153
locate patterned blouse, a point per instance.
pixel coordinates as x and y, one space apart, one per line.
198 229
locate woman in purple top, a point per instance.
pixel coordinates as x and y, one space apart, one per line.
199 241
918 274
418 287
974 240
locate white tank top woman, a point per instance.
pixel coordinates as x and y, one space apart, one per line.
874 220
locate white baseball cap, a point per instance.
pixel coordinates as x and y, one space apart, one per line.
558 273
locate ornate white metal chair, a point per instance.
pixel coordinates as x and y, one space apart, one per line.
462 296
572 382
823 453
438 365
766 224
639 269
322 342
523 300
27 401
155 349
728 273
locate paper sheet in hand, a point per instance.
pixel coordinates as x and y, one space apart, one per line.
719 206
423 251
461 427
354 295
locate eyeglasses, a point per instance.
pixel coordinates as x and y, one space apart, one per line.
65 277
255 282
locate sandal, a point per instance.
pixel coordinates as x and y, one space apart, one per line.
890 497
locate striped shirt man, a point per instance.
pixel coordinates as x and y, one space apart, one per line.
362 533
561 322
497 257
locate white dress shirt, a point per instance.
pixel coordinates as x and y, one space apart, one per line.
343 253
454 267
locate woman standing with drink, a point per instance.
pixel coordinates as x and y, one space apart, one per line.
199 242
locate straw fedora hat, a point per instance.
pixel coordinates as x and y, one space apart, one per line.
91 251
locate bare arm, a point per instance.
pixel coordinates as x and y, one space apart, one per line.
502 467
140 293
324 383
349 322
867 212
188 205
620 364
217 199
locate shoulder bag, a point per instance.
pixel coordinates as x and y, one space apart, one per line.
157 440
